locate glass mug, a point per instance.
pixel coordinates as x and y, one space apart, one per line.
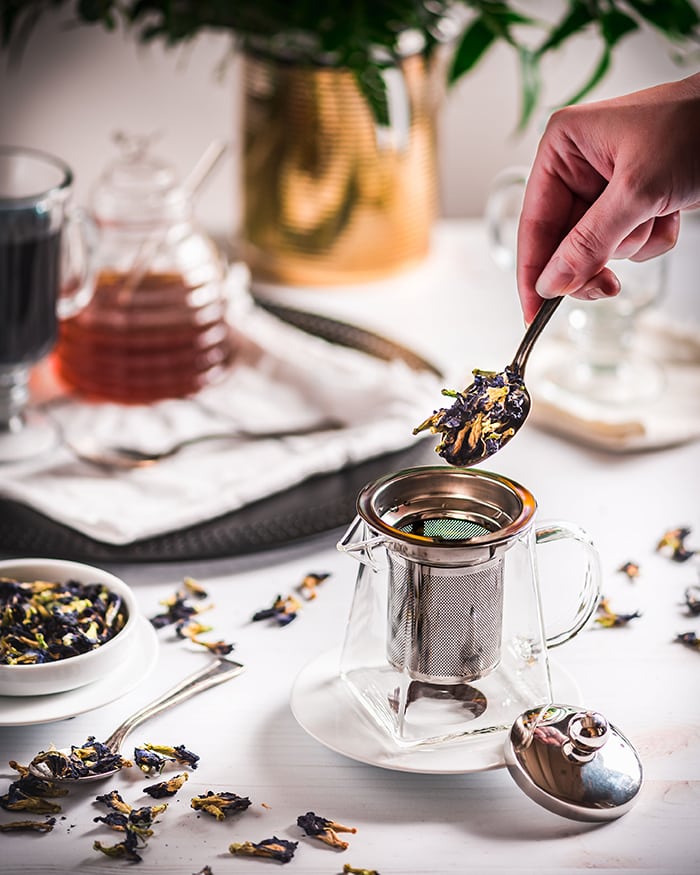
46 274
601 363
447 637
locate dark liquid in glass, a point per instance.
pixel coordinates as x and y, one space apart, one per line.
30 262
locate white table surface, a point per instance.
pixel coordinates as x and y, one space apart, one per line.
414 824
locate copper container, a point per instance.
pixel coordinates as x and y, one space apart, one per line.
330 197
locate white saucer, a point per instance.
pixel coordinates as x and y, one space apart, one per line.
27 710
325 708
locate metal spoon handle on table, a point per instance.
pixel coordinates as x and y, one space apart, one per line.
534 329
209 676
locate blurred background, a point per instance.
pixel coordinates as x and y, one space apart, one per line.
76 85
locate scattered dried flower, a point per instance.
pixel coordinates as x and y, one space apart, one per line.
323 829
220 805
307 588
608 618
631 569
692 600
351 870
28 825
673 544
166 788
690 639
128 849
204 871
274 848
283 610
179 753
150 762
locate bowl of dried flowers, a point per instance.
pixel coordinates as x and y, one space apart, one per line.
62 625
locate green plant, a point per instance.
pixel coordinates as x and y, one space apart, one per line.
369 35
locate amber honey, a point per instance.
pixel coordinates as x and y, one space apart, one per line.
162 339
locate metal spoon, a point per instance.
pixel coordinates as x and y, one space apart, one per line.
120 457
490 411
217 672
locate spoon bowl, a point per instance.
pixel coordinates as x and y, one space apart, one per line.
63 766
492 409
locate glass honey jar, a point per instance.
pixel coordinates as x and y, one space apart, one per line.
156 327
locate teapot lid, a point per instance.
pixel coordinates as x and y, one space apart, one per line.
138 188
573 762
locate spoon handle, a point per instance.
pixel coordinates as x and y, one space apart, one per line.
216 673
534 329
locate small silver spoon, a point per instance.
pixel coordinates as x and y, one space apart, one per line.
120 457
217 672
492 409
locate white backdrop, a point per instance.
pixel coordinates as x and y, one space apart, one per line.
76 85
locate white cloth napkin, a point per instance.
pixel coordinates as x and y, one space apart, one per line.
671 417
282 378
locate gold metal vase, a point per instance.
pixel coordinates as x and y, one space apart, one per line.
330 197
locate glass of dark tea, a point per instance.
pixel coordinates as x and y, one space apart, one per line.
46 274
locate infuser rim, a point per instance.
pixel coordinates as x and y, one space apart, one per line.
519 524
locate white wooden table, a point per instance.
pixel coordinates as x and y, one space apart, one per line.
414 824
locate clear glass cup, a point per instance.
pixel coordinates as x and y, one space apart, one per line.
602 362
46 274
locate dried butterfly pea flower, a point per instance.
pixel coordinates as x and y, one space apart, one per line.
123 823
88 759
220 805
692 600
481 418
347 868
204 871
193 588
191 629
114 801
128 849
43 621
150 762
28 825
274 848
608 618
283 610
631 569
17 799
673 543
690 639
179 753
308 586
32 785
166 788
323 829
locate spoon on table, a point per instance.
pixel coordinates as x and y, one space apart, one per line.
490 411
121 457
55 765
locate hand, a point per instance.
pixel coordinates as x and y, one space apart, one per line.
608 181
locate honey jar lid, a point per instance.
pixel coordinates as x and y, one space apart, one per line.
574 763
138 189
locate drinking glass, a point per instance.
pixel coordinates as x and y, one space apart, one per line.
602 362
46 273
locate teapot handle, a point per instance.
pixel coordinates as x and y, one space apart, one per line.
590 592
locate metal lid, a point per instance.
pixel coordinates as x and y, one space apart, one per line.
573 763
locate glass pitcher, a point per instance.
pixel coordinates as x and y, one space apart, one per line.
446 637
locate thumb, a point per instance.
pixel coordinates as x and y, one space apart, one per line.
591 243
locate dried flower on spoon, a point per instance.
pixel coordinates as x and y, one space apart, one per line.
90 758
220 805
274 849
481 419
323 829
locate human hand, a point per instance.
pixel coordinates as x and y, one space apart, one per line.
608 181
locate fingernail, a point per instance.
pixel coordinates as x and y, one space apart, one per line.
554 279
594 294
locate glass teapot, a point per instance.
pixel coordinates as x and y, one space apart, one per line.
446 637
156 326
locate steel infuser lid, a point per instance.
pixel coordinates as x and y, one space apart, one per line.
574 763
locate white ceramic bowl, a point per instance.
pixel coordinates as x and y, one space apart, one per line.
74 671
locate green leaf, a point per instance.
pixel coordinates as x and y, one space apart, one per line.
372 85
674 18
476 40
598 73
614 25
579 17
531 85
